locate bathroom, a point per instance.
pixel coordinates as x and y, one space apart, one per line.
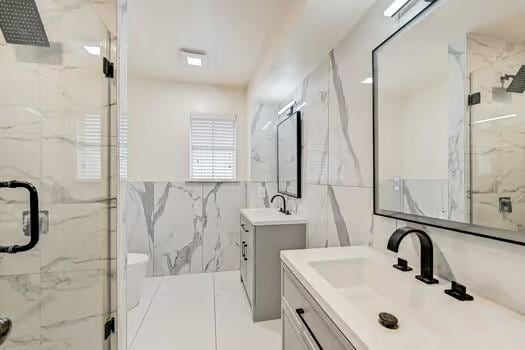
262 174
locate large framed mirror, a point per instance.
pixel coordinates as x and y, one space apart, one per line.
289 148
449 119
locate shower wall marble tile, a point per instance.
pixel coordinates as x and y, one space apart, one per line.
44 95
184 227
339 211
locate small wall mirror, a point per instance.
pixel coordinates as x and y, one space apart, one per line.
449 119
289 147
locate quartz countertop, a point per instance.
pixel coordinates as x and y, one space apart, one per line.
270 216
428 318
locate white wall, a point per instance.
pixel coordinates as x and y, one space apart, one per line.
424 118
159 122
413 134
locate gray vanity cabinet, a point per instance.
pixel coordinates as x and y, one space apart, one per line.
305 326
260 266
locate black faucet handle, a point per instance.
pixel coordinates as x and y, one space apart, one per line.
402 265
459 292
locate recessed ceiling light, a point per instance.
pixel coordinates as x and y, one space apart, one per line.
367 81
194 61
92 50
194 58
395 7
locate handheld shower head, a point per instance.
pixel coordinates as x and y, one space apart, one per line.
21 23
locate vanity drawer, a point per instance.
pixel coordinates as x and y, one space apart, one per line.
322 331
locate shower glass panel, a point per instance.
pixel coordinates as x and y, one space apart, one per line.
55 134
497 134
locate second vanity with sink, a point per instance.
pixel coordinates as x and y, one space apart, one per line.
264 233
331 299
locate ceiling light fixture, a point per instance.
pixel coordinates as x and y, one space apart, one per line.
495 118
92 50
368 81
194 58
287 107
395 7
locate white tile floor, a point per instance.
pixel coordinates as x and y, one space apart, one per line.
198 312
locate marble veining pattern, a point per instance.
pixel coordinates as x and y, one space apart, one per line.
194 227
458 132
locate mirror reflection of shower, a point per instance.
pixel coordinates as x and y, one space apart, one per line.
517 81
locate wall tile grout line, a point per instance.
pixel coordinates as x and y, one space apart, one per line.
130 346
214 311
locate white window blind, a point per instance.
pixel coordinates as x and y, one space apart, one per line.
123 146
213 149
89 150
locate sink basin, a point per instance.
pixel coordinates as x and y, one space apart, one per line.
270 216
354 284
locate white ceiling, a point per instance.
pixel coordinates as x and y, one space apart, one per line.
234 33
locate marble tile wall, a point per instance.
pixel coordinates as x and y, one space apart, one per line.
185 227
498 153
43 95
337 200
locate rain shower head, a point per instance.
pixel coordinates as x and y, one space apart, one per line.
517 84
21 23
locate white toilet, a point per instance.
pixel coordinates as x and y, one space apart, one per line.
137 265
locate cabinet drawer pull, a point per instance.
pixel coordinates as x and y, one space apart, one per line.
244 254
244 228
300 313
242 249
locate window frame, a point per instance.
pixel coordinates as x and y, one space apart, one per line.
221 117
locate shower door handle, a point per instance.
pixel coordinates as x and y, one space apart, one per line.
34 217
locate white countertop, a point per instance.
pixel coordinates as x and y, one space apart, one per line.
428 318
270 216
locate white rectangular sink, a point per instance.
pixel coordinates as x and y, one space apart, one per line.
354 284
270 216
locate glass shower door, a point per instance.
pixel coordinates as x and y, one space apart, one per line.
497 142
55 135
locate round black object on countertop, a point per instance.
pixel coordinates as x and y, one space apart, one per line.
388 320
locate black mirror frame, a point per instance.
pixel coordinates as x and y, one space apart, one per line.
506 236
297 114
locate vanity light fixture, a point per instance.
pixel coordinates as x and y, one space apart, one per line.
92 50
194 58
395 7
301 106
369 80
495 118
288 106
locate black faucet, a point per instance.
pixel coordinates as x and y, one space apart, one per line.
283 208
427 251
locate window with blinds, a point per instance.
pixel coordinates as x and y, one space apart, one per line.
123 146
89 148
213 149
